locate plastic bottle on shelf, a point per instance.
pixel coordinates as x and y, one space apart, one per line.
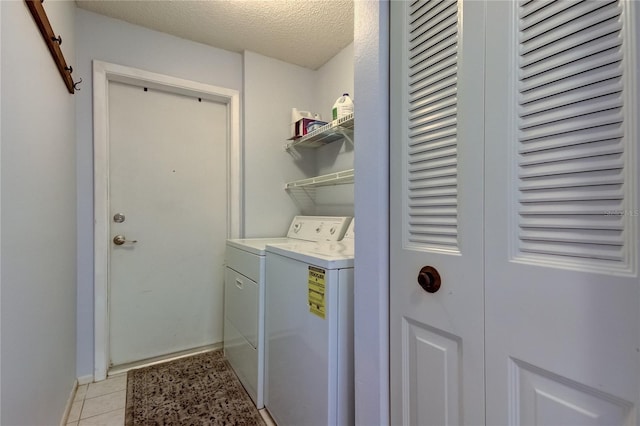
342 107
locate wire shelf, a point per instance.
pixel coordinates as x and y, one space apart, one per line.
328 133
337 178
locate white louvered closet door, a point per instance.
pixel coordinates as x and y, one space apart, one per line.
562 300
437 354
514 163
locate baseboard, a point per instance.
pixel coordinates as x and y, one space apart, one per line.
83 380
67 408
122 369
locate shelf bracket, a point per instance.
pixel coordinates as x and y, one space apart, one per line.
346 136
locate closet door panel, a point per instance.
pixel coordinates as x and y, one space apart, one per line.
561 290
437 354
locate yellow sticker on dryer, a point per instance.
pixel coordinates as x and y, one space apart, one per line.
317 287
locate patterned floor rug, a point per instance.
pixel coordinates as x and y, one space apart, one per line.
197 390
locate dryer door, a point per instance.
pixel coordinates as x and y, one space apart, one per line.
241 304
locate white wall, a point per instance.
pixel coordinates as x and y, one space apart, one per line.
38 198
335 78
111 40
271 89
372 210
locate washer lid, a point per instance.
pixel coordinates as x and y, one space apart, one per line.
326 254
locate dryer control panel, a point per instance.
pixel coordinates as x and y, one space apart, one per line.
318 228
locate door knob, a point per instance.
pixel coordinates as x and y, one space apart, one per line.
120 240
429 279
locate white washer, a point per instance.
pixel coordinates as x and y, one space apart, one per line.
309 331
245 293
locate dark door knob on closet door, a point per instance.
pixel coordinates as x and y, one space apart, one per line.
429 279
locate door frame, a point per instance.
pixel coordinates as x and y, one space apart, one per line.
103 73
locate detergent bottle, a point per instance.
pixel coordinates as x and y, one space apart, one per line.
342 107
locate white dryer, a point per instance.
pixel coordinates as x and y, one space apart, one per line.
309 329
245 294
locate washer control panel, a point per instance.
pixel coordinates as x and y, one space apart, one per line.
318 228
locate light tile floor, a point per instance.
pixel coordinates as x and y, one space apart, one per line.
103 403
100 403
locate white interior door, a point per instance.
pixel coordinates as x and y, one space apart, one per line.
562 300
437 354
168 172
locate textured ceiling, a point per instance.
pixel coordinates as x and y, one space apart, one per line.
303 32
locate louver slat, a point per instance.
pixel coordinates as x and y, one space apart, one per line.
546 19
431 162
573 180
548 67
527 7
612 222
585 252
572 97
571 137
581 137
604 192
572 46
574 27
422 106
573 152
609 162
575 82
